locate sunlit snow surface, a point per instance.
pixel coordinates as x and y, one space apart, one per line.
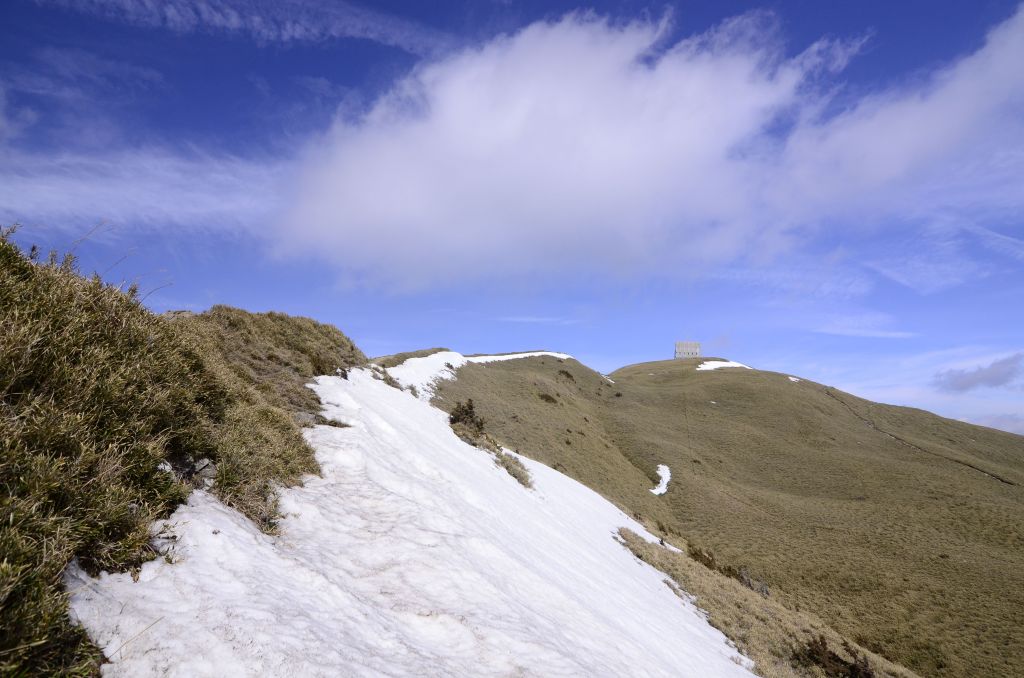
413 555
719 364
665 474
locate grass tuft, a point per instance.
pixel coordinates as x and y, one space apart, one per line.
514 467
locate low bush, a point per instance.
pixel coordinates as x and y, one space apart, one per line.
464 415
816 653
742 575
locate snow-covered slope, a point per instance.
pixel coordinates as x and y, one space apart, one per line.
413 554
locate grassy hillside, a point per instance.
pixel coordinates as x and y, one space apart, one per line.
903 530
110 415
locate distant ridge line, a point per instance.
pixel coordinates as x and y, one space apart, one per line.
895 437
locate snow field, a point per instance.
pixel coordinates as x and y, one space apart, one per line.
412 554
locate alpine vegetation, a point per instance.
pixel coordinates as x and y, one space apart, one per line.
411 554
110 415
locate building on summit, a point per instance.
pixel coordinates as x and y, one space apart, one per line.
687 349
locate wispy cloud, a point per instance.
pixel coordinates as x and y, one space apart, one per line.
69 96
269 20
12 121
868 325
930 261
73 73
828 280
538 320
997 373
142 189
999 242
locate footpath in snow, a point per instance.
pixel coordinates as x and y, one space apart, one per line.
413 554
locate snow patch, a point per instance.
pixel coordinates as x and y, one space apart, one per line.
665 473
425 372
719 364
515 356
793 379
413 554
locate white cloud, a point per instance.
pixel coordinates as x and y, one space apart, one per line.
588 149
587 146
269 20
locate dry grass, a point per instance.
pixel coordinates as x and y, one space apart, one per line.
381 374
265 360
514 468
96 393
762 628
902 530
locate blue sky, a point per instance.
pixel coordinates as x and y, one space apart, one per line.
834 190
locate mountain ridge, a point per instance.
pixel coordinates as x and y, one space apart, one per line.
895 525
